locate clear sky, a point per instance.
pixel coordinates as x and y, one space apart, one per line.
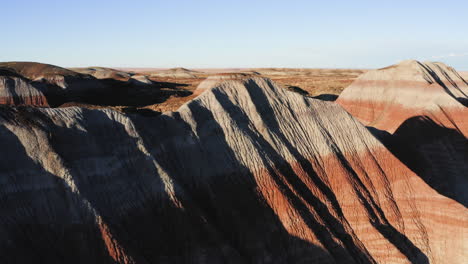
242 33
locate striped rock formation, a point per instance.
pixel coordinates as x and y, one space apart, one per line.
16 90
245 173
63 85
53 75
419 110
385 98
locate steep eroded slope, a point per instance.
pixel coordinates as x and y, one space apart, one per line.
245 173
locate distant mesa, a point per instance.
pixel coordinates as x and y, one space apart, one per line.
326 97
180 69
283 71
277 71
104 73
176 73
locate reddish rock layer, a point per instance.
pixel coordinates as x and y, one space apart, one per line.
63 85
385 98
59 86
245 173
419 110
15 90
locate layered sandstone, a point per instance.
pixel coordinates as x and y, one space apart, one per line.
419 110
63 85
385 98
245 173
43 84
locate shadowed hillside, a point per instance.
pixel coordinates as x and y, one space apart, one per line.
421 110
265 176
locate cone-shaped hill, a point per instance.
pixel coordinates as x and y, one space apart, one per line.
385 98
420 111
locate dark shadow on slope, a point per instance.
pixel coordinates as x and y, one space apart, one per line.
127 93
382 135
439 155
103 92
41 219
283 174
55 95
10 85
170 85
461 77
378 219
130 195
4 71
355 247
451 81
463 101
441 83
134 93
326 97
225 191
297 89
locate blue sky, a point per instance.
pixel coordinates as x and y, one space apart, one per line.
209 33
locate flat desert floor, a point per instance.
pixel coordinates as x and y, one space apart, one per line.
322 83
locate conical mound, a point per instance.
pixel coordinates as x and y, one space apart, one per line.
16 90
385 98
419 110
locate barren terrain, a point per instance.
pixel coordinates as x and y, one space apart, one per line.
239 171
325 83
464 74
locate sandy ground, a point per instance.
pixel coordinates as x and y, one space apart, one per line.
321 83
311 82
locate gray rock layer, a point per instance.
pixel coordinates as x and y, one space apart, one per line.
15 90
245 173
420 111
